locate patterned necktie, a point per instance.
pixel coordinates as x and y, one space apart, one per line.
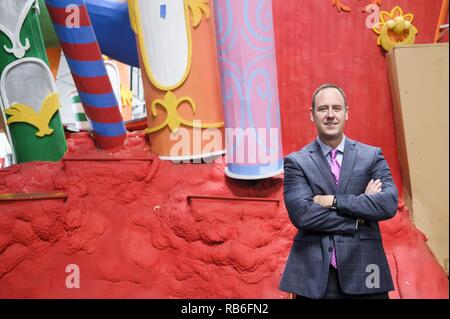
335 170
335 167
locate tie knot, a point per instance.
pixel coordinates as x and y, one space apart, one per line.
333 153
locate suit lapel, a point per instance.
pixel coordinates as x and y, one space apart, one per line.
324 168
348 162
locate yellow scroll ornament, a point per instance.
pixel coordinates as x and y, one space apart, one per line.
340 6
173 119
198 9
41 120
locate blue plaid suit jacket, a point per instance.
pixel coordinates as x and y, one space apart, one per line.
361 259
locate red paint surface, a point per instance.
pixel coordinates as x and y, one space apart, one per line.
129 227
93 85
82 51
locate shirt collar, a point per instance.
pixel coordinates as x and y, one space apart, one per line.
326 149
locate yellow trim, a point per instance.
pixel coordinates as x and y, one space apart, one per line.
132 14
198 9
382 28
135 12
173 119
126 96
388 45
25 114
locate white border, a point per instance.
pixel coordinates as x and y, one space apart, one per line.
192 157
3 97
252 177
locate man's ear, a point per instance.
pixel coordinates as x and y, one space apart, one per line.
311 114
346 112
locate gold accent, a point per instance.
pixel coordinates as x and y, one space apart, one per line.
126 95
26 114
198 9
395 28
32 196
137 27
132 14
173 119
342 7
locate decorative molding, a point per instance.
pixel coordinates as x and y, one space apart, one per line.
198 8
343 7
173 119
21 113
18 49
4 101
395 28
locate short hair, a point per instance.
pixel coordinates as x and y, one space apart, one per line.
327 86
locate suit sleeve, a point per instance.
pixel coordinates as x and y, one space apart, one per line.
374 207
303 212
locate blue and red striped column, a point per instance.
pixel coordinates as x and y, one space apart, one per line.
84 58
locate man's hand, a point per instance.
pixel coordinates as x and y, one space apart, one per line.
324 200
373 187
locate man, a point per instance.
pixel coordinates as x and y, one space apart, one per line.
336 190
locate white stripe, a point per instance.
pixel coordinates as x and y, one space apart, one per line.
77 108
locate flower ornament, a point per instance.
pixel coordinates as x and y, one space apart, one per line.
395 28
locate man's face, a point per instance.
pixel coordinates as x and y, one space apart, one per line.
329 113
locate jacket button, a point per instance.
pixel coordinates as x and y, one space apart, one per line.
330 249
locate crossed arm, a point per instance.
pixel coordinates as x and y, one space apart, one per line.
314 213
373 187
303 211
377 205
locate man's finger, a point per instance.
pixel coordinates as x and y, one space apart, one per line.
369 185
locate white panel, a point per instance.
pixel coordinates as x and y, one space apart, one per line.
165 40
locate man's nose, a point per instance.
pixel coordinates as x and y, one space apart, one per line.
330 113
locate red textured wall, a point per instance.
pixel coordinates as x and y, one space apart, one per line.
127 222
317 44
129 227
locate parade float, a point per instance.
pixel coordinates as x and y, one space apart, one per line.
137 221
